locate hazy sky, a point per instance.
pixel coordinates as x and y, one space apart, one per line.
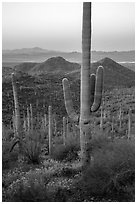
57 26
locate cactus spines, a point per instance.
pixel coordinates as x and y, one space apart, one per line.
50 129
91 88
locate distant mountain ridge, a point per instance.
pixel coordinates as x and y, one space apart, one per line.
38 54
115 75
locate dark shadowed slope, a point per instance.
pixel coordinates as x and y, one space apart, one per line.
25 67
115 75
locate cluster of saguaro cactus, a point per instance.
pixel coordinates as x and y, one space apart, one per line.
91 88
28 122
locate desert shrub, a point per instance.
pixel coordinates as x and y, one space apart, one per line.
112 173
98 140
8 158
69 151
73 139
32 146
65 152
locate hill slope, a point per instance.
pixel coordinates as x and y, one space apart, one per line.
54 65
25 67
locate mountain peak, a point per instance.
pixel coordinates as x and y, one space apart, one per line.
54 64
56 59
107 61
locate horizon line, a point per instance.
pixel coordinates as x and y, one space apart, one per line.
36 47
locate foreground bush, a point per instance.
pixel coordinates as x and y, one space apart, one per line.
112 172
65 152
8 159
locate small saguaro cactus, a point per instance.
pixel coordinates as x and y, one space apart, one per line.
28 119
101 119
64 131
50 129
31 117
129 123
91 89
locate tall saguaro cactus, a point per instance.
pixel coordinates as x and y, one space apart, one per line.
16 105
17 121
91 88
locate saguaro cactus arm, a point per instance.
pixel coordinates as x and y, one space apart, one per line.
98 89
92 87
68 101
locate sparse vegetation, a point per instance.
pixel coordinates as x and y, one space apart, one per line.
41 151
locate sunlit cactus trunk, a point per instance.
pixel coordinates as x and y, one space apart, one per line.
85 83
50 129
